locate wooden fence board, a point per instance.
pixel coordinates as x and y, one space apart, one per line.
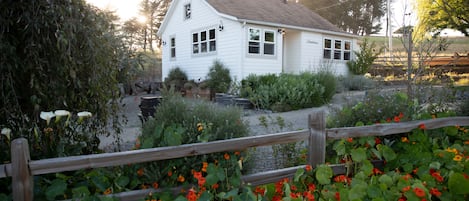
54 165
394 128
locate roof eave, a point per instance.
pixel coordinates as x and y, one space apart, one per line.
298 28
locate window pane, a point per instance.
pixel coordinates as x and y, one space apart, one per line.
195 48
254 47
195 38
337 54
269 49
269 36
213 46
327 43
173 42
254 34
173 52
338 44
203 36
327 54
211 34
346 55
203 47
347 45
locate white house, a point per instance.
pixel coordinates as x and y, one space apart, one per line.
251 37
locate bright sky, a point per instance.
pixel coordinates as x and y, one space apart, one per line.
127 9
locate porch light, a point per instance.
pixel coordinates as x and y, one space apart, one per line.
220 26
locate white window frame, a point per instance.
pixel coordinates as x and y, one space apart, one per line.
202 45
187 11
172 47
337 49
261 42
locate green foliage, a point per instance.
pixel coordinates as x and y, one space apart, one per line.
440 14
180 121
60 55
219 79
176 78
289 92
356 83
375 107
365 57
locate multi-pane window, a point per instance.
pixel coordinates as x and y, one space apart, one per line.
187 11
337 49
204 41
173 47
261 42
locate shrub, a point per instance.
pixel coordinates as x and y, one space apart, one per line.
176 78
373 108
180 121
219 79
356 83
330 82
365 58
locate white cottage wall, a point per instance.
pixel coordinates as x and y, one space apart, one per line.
262 64
202 18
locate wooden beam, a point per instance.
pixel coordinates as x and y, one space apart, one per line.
394 128
55 165
317 139
22 180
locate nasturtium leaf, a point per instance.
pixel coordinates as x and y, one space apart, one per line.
56 188
358 154
376 153
451 131
298 174
101 182
324 174
172 137
458 184
374 191
435 165
235 181
206 196
378 199
367 167
211 179
80 191
385 179
407 167
339 147
358 191
181 198
388 153
231 193
122 181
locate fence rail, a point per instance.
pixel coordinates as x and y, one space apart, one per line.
22 169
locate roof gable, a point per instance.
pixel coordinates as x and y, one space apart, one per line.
273 11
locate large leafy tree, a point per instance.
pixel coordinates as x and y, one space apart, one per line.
435 15
360 17
57 55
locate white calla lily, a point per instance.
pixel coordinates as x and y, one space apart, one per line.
47 116
62 113
84 114
6 132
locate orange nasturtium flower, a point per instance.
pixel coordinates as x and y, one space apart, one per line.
181 178
435 192
419 192
227 156
155 185
107 191
204 166
350 139
140 172
422 127
457 157
404 139
200 127
308 168
405 189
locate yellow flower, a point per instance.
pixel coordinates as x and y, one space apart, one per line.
452 150
181 178
200 127
107 191
404 139
457 157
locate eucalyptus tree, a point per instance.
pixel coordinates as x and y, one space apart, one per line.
57 55
360 17
153 11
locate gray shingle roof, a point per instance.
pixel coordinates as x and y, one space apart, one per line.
273 11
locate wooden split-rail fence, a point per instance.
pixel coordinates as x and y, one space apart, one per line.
22 169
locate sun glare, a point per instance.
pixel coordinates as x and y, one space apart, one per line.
125 9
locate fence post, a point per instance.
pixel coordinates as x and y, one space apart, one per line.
317 138
22 180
